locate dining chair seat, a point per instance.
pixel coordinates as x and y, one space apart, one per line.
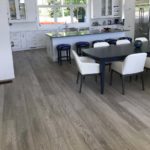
86 59
117 66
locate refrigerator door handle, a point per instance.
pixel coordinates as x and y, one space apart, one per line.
141 15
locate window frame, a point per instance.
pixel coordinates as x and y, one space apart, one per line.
71 6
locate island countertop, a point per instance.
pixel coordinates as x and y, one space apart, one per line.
81 33
53 39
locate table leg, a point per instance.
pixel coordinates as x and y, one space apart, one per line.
102 76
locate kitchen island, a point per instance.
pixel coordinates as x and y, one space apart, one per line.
71 37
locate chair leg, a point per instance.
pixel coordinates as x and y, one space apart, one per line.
83 78
58 57
109 67
111 77
69 57
123 85
81 83
136 77
96 78
142 79
78 75
130 79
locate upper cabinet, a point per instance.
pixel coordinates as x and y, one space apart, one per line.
95 8
20 10
17 9
116 8
105 8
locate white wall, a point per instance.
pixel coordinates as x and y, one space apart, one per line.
129 16
6 61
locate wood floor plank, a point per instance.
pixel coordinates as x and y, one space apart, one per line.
1 113
42 109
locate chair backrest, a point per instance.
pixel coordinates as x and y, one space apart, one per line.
111 41
143 39
101 44
120 42
134 63
125 38
79 63
85 67
77 59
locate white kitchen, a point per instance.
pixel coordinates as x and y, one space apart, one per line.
59 66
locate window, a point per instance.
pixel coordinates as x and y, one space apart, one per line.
62 11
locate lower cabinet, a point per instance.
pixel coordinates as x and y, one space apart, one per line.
25 40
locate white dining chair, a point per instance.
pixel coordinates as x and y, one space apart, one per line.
143 39
133 64
86 66
101 44
121 42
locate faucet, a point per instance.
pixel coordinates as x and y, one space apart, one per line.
66 25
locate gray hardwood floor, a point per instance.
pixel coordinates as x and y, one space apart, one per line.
42 109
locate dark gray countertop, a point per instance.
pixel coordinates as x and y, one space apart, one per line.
81 33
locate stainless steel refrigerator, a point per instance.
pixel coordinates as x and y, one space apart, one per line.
142 18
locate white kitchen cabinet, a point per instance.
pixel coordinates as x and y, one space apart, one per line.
105 8
22 11
36 39
16 40
28 40
116 8
31 9
95 8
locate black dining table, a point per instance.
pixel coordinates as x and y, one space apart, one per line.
112 53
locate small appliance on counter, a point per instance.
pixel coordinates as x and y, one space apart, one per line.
116 21
95 23
106 29
109 22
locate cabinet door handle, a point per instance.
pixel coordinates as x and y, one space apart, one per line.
12 44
